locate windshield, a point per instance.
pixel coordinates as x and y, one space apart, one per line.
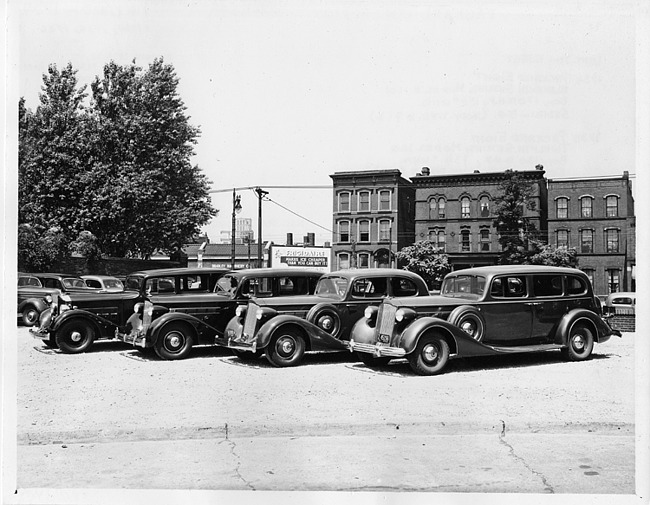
226 285
464 286
71 282
332 287
133 283
113 283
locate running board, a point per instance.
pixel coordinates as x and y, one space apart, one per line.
525 348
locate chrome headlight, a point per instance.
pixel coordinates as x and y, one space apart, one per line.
137 308
48 299
260 314
63 307
404 315
240 311
370 312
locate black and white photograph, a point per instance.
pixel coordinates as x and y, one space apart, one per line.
325 251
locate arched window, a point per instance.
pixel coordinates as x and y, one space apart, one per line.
562 208
485 239
485 206
344 231
439 239
587 206
433 209
441 208
611 203
465 241
364 201
611 240
344 202
464 207
343 261
562 238
363 260
586 241
384 199
364 231
384 230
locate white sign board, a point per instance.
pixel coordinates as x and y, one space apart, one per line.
301 257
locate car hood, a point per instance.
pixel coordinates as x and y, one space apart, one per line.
281 302
97 296
430 301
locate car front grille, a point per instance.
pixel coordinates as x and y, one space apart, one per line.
385 322
250 323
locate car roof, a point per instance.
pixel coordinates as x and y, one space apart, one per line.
179 271
98 277
50 275
627 294
374 272
255 272
515 269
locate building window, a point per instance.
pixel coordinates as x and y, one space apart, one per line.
363 260
485 206
613 279
464 207
364 201
562 238
587 206
441 208
465 241
384 200
344 261
611 240
485 240
364 231
439 239
344 202
590 273
562 208
344 231
611 203
586 241
384 230
433 209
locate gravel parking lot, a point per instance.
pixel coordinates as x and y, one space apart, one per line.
71 406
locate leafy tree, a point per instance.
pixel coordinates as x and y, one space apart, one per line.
145 195
86 245
424 258
544 254
515 229
39 248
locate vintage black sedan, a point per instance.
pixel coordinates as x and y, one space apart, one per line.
483 311
285 328
76 319
173 333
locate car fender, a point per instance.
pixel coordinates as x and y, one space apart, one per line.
98 322
362 331
602 330
411 335
38 303
157 325
315 337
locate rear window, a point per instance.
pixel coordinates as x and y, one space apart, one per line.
622 301
403 287
576 285
29 281
370 288
547 285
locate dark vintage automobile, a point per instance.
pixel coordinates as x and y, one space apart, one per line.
35 292
172 333
75 320
484 311
284 329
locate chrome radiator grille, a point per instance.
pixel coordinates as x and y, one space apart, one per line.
385 321
250 324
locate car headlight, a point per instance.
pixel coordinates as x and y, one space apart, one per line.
63 308
240 311
137 308
48 299
404 315
370 312
260 314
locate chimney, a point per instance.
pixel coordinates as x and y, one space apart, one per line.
426 171
539 167
309 239
289 238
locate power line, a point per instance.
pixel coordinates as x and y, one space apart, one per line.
270 187
298 215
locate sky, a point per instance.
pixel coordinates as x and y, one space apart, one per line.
288 92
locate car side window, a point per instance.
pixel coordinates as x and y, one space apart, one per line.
622 301
194 283
403 287
370 288
162 285
92 283
547 285
576 285
285 286
508 287
262 287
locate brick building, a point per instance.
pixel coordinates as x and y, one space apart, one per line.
596 217
373 218
457 213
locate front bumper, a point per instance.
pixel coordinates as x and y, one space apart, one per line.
377 350
40 333
136 338
233 341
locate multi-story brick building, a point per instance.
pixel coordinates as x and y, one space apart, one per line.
596 217
373 218
457 213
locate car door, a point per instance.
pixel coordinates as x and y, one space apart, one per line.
507 311
548 304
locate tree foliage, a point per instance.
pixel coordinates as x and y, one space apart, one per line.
424 258
117 167
544 254
514 227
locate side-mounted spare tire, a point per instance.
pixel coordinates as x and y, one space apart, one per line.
470 320
326 318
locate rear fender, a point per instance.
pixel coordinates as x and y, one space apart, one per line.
201 329
601 330
315 338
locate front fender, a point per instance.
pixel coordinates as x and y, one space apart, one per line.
410 336
602 330
39 303
317 339
158 323
104 327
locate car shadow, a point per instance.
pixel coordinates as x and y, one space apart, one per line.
400 367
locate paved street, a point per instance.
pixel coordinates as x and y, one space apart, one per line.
115 418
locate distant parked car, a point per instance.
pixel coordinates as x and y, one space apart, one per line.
75 320
105 283
285 328
621 303
483 311
173 333
33 298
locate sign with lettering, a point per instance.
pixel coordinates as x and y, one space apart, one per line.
302 257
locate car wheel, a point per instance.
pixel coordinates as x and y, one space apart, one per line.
286 348
430 355
174 341
75 336
373 361
30 316
470 321
248 355
580 343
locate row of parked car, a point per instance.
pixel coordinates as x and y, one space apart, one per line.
380 314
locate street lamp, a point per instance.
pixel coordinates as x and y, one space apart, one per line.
260 194
236 209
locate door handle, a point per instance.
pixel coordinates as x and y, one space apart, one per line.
533 304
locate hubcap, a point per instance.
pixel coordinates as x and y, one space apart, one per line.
286 345
75 336
468 327
174 341
579 342
430 353
327 323
32 316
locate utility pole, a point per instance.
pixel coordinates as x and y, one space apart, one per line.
260 194
236 209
